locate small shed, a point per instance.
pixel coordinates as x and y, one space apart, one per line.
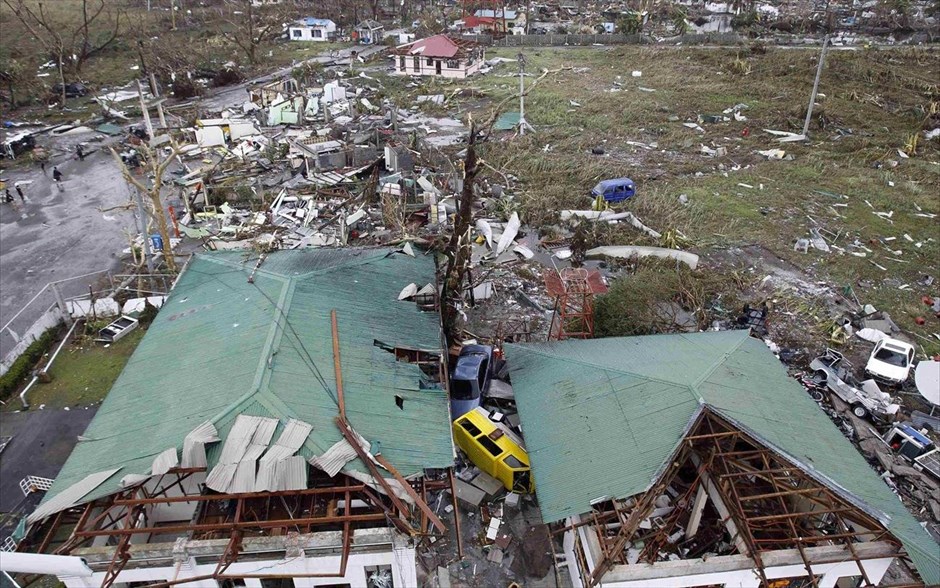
312 29
369 32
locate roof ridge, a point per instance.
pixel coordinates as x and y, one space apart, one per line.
692 387
721 360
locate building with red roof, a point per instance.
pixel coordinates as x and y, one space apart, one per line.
440 55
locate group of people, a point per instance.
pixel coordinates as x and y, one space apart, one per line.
56 178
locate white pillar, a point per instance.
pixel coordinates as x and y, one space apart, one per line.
403 562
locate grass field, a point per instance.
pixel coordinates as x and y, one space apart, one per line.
83 373
873 102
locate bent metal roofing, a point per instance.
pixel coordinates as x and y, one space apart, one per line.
224 346
437 46
602 416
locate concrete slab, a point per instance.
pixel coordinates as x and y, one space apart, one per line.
469 493
42 441
487 483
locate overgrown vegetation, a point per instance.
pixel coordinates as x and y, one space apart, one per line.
23 367
659 297
596 121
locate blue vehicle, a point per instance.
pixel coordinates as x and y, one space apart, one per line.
615 190
470 379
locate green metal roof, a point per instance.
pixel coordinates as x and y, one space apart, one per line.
222 346
601 417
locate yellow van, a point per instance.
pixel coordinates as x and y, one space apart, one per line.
495 449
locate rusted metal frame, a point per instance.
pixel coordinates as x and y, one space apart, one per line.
858 561
757 473
793 492
734 507
601 538
346 541
642 509
337 368
652 547
178 482
121 556
603 517
391 515
247 495
818 538
243 525
424 497
796 515
233 547
692 438
419 502
51 532
374 470
453 498
796 534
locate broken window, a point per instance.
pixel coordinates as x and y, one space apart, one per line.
317 34
514 463
430 61
490 446
469 427
453 64
297 33
401 63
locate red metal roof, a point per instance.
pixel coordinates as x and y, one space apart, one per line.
437 46
471 21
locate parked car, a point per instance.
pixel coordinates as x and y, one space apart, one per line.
833 371
616 190
73 90
470 378
915 447
890 361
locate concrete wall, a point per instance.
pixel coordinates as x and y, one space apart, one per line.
400 560
424 68
554 39
48 320
308 34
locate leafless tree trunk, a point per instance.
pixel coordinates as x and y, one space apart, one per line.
250 28
158 167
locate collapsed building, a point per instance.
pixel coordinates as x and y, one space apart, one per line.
284 416
694 460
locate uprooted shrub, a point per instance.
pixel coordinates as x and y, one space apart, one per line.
659 297
22 368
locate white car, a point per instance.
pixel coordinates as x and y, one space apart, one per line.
890 361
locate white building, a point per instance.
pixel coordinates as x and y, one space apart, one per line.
235 470
440 55
312 29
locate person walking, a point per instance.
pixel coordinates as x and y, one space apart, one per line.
57 178
42 165
19 192
7 197
81 153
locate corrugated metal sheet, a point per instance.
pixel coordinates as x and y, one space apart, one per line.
265 349
246 442
164 462
334 458
71 495
601 416
292 438
291 474
194 445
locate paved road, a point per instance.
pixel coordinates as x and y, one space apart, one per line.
42 441
56 235
65 234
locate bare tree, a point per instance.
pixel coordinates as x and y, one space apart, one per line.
157 164
250 26
70 43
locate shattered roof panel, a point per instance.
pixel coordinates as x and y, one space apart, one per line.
601 416
223 347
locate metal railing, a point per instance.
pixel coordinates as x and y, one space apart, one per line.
31 484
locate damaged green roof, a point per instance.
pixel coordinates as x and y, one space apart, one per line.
602 416
222 346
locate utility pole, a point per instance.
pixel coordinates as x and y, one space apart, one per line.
143 108
522 121
812 98
155 90
142 226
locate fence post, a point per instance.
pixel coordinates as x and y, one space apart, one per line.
60 302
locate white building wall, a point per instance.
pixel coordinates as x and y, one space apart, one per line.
306 33
401 560
425 69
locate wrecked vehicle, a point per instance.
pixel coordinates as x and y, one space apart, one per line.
72 90
915 447
833 371
470 379
890 361
495 449
615 190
